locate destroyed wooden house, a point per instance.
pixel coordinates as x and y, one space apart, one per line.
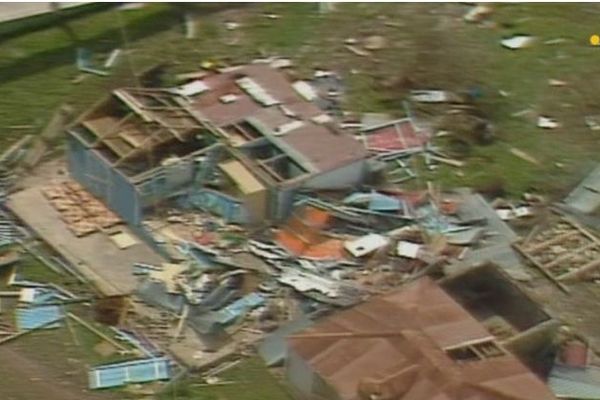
239 143
516 320
414 343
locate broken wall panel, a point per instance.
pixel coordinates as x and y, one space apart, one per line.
139 371
105 182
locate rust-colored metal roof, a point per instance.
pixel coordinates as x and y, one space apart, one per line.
394 345
397 135
323 147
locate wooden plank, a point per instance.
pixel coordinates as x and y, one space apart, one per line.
541 268
119 146
583 231
472 342
581 270
568 255
554 240
97 332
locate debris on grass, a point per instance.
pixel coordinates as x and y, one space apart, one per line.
358 51
524 156
478 13
547 123
112 58
375 42
518 42
557 82
592 122
231 25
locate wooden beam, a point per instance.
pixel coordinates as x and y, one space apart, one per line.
342 335
97 332
471 343
114 131
557 239
568 255
581 270
584 231
540 266
22 333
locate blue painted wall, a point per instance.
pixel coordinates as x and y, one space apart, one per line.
97 176
220 204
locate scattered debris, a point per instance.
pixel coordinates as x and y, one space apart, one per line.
139 371
547 123
190 25
37 317
592 122
374 42
365 245
83 213
518 42
430 96
123 240
84 63
98 333
585 198
564 252
358 51
408 249
478 13
524 156
112 58
556 41
231 25
557 83
131 6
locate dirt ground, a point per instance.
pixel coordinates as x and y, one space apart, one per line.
26 378
577 309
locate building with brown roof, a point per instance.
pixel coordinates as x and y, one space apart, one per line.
413 344
241 142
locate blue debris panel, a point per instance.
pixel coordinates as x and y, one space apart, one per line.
39 317
138 371
239 307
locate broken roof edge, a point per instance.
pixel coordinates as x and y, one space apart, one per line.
286 148
490 265
389 123
150 173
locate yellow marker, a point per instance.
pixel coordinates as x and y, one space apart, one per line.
595 40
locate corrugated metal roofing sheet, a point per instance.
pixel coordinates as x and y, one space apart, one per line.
36 317
586 196
303 237
139 371
273 347
397 342
575 383
239 307
394 136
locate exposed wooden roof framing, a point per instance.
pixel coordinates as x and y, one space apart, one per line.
564 251
154 119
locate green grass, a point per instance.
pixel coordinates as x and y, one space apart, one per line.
251 380
428 45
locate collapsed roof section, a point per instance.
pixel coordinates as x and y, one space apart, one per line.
253 109
138 129
273 123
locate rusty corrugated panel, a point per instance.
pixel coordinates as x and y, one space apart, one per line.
376 347
302 236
